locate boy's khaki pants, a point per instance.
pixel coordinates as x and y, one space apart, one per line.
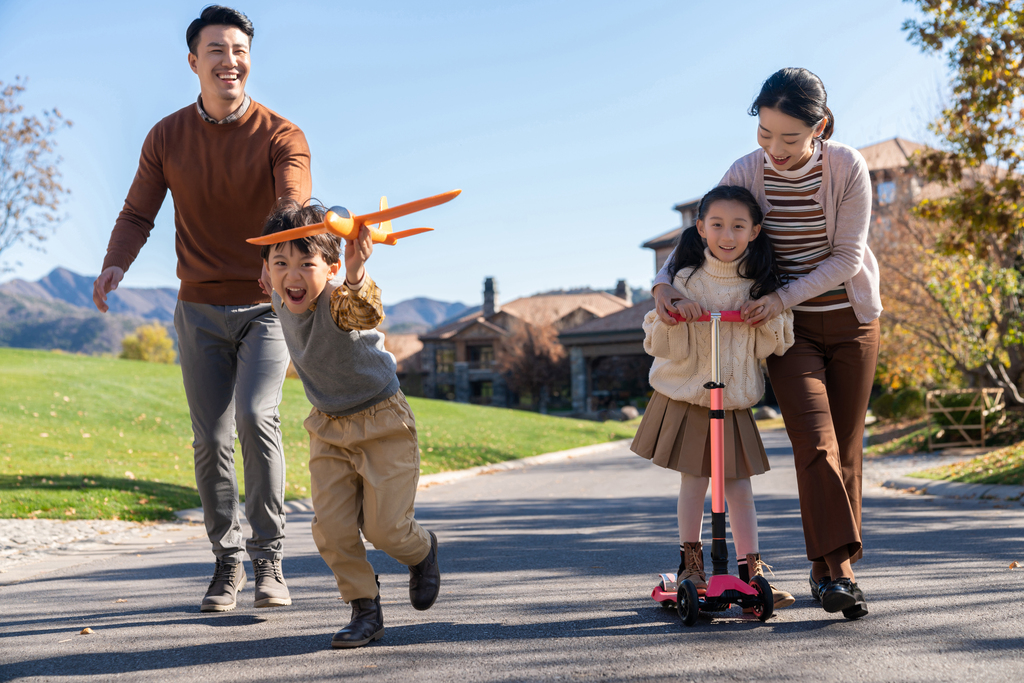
364 469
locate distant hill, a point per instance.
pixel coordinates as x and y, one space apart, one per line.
31 323
63 285
414 316
57 312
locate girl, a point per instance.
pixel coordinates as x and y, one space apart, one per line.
816 198
736 265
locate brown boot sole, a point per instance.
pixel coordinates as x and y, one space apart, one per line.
357 643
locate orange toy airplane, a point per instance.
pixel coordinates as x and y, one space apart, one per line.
342 223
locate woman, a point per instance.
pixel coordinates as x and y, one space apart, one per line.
816 198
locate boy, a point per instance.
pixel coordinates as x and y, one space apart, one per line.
363 454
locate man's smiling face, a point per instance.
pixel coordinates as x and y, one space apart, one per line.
222 64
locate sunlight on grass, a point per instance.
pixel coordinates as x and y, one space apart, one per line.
1004 466
84 437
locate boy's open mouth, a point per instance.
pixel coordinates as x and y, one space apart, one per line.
295 295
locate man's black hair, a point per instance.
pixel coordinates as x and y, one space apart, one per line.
290 214
216 15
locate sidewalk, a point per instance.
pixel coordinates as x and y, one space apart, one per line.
30 547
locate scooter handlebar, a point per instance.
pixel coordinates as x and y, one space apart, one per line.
727 317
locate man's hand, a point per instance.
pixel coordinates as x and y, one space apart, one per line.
106 283
761 310
671 303
264 280
357 251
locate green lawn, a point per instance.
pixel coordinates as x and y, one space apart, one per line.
84 437
1004 466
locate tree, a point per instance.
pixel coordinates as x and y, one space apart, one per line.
980 217
533 362
149 343
30 188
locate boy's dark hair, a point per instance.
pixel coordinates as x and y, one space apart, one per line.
216 15
758 263
290 214
797 93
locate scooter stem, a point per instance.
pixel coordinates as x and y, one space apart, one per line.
719 550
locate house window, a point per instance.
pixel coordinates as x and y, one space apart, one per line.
886 193
444 360
480 357
481 393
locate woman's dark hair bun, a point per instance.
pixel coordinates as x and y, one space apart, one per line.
797 93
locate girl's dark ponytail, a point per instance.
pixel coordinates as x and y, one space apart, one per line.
797 93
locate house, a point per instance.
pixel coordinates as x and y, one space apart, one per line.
458 357
606 357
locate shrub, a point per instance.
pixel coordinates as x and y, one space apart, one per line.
149 343
908 403
882 406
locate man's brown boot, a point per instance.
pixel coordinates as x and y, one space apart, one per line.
228 579
692 566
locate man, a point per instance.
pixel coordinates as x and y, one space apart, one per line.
226 160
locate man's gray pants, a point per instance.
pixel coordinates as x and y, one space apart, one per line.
233 363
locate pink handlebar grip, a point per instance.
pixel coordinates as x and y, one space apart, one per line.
727 317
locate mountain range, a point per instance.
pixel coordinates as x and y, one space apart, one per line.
57 312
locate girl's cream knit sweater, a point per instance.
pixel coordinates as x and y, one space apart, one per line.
682 353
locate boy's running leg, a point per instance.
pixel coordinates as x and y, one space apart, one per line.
391 472
262 363
337 504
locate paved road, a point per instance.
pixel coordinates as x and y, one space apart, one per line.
547 572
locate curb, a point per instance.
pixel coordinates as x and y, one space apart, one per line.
956 489
441 478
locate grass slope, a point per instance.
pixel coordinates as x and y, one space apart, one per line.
1004 466
84 437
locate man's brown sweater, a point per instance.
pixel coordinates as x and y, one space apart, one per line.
224 180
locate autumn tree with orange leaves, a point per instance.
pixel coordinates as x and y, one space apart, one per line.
533 362
968 263
30 187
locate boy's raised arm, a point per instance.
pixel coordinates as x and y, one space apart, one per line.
357 306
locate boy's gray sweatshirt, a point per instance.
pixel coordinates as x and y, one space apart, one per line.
845 195
343 371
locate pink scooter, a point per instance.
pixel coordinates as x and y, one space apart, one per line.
724 589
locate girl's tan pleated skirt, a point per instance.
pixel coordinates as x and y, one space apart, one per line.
677 435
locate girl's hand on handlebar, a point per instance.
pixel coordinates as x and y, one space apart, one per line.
761 310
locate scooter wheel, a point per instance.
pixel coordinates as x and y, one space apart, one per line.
687 602
766 606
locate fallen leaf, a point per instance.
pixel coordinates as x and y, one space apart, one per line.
44 434
143 501
120 600
129 475
85 631
1014 564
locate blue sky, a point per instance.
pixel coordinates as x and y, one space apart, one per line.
571 127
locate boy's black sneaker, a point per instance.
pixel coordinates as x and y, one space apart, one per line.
228 579
839 596
271 590
425 578
367 624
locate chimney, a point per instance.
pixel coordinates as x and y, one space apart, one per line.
623 291
491 305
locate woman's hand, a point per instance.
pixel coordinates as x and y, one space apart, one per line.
761 310
671 303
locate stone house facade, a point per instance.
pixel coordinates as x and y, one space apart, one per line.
458 358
